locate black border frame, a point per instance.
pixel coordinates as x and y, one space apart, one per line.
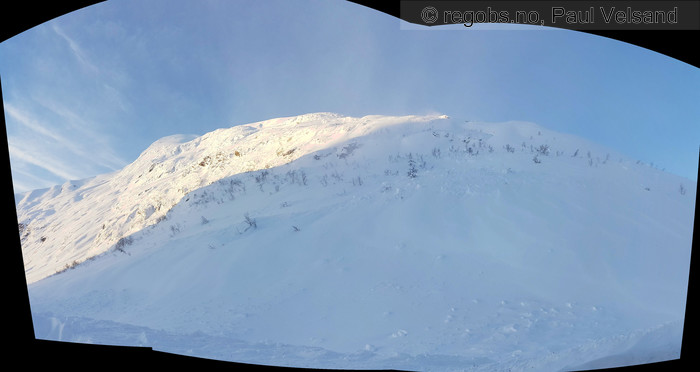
28 352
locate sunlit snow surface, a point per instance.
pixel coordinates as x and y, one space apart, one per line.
485 260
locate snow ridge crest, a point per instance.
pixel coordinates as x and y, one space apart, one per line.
81 219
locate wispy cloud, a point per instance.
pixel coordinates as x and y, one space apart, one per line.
34 143
27 121
85 129
78 52
32 155
66 118
24 179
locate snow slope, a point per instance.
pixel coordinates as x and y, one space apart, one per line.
419 242
81 219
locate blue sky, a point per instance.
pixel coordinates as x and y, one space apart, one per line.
87 92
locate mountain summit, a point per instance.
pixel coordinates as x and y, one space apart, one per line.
418 242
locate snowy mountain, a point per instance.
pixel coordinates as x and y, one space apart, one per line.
417 242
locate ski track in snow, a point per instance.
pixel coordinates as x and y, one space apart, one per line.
307 241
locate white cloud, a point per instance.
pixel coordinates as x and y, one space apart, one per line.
77 50
61 127
85 129
41 159
23 118
69 152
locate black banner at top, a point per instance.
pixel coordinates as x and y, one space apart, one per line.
569 14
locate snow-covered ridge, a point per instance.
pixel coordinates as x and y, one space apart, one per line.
80 219
417 242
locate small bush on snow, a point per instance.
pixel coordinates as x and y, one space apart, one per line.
412 171
123 242
251 222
